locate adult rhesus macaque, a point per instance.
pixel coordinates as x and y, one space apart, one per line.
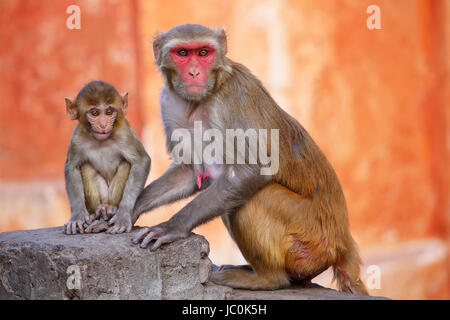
106 166
290 225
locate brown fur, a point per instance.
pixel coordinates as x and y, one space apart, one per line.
290 226
297 227
116 185
103 175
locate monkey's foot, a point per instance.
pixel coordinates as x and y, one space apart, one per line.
243 278
97 226
76 222
71 227
120 223
216 268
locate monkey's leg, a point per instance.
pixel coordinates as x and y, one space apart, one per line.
216 268
75 191
116 193
95 188
96 195
263 230
117 185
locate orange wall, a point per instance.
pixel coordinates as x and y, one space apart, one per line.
376 102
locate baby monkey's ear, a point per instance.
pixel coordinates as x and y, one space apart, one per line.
124 102
71 109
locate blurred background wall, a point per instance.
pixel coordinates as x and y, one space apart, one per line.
375 101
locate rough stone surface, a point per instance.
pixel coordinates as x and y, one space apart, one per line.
40 264
34 265
310 292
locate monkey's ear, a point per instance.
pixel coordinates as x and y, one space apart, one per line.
71 109
157 44
125 103
222 36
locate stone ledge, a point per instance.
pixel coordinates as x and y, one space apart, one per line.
34 264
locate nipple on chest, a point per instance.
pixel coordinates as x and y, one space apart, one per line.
201 176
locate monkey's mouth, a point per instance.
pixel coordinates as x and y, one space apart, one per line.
101 135
194 88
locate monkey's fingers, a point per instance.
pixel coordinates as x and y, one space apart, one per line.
90 227
66 228
73 228
140 235
80 226
113 230
112 220
151 236
100 228
97 226
168 238
116 229
89 218
69 228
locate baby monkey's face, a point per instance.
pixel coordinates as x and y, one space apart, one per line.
101 120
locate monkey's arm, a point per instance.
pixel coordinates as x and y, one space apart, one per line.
229 192
140 167
176 183
75 192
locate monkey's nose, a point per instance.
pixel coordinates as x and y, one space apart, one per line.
194 74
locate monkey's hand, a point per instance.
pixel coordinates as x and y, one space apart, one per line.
163 233
120 223
97 226
106 211
76 220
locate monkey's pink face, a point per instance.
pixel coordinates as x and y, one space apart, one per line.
101 119
193 61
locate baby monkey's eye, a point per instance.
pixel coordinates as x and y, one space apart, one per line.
94 112
203 52
109 111
182 52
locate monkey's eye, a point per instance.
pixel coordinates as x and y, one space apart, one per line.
109 111
94 112
182 52
203 52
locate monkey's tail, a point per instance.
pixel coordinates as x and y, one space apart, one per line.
346 271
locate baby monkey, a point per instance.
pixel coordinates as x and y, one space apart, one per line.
106 166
